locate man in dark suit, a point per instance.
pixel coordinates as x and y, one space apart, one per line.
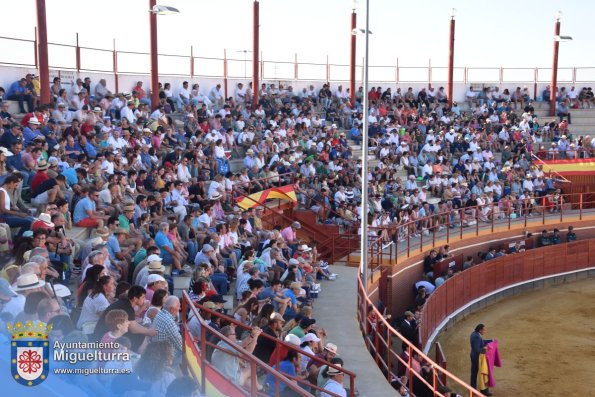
478 347
408 328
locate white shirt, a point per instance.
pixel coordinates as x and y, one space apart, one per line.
239 94
184 93
205 219
108 167
128 113
219 152
183 173
117 143
92 309
215 94
214 187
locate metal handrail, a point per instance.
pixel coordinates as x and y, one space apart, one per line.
576 200
189 305
326 75
277 341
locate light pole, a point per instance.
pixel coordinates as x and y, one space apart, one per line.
364 215
155 10
557 40
451 56
352 54
255 52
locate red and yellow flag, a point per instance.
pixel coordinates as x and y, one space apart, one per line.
286 192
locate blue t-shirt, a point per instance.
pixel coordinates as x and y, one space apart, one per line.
161 240
80 211
286 367
113 246
289 294
70 174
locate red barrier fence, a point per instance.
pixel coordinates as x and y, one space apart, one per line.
502 272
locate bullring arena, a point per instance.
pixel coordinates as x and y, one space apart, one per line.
546 337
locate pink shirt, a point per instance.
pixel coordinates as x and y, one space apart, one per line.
288 234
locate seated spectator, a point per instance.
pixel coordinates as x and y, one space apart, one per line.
571 235
544 239
555 237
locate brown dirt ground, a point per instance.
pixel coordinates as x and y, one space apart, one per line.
546 339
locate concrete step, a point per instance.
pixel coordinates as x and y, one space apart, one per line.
236 165
79 233
590 121
582 129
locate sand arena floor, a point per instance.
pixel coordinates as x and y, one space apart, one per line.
546 339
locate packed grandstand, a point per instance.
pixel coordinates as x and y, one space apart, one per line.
164 204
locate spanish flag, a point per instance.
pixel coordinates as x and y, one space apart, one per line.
570 167
284 193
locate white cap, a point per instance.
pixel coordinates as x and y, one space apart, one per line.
154 258
154 278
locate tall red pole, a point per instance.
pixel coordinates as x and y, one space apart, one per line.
451 59
115 65
555 69
154 85
352 57
42 51
78 55
255 53
225 73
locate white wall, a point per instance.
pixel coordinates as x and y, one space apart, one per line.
9 74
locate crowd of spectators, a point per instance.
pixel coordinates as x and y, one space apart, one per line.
154 184
155 191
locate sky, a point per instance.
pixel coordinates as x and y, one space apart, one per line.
488 33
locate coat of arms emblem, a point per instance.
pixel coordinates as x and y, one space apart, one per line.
30 352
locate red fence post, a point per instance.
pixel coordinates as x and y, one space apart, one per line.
35 48
462 216
192 61
78 55
225 72
203 359
115 65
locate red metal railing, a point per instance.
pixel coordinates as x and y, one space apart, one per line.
378 332
287 178
380 338
255 364
447 227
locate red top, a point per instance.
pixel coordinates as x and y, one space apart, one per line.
140 93
38 179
